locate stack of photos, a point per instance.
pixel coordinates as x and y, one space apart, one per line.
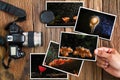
38 71
78 46
65 12
95 22
69 66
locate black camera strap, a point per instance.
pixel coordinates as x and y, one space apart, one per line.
20 13
9 60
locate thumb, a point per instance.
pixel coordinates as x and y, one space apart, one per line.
102 53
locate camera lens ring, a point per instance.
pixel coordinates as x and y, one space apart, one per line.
30 39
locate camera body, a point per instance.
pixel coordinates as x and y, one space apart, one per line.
16 39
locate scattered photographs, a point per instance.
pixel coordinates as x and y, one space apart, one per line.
37 71
65 12
70 66
78 46
95 22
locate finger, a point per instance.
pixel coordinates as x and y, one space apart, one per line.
104 66
101 60
104 48
110 50
101 53
113 51
107 50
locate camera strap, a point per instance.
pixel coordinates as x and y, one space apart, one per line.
20 13
4 65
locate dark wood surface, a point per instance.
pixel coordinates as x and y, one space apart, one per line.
19 69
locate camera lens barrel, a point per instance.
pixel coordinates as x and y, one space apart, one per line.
32 39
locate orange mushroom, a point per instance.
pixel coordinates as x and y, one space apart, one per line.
66 19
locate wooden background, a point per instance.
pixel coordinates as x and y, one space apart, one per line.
19 69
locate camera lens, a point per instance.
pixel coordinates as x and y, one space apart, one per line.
32 39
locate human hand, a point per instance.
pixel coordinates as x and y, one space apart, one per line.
109 60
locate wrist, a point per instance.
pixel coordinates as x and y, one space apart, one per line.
118 74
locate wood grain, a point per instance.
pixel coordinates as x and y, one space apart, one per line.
19 69
112 7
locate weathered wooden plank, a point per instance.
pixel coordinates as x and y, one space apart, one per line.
38 6
17 67
48 33
98 71
92 72
71 30
26 26
111 6
20 68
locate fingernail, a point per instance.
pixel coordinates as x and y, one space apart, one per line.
96 51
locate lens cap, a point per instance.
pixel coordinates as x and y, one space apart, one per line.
47 16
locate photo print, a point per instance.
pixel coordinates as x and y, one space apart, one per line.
65 12
78 46
38 71
95 22
70 66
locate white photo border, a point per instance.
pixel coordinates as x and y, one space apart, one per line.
98 12
44 78
79 34
57 68
62 2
